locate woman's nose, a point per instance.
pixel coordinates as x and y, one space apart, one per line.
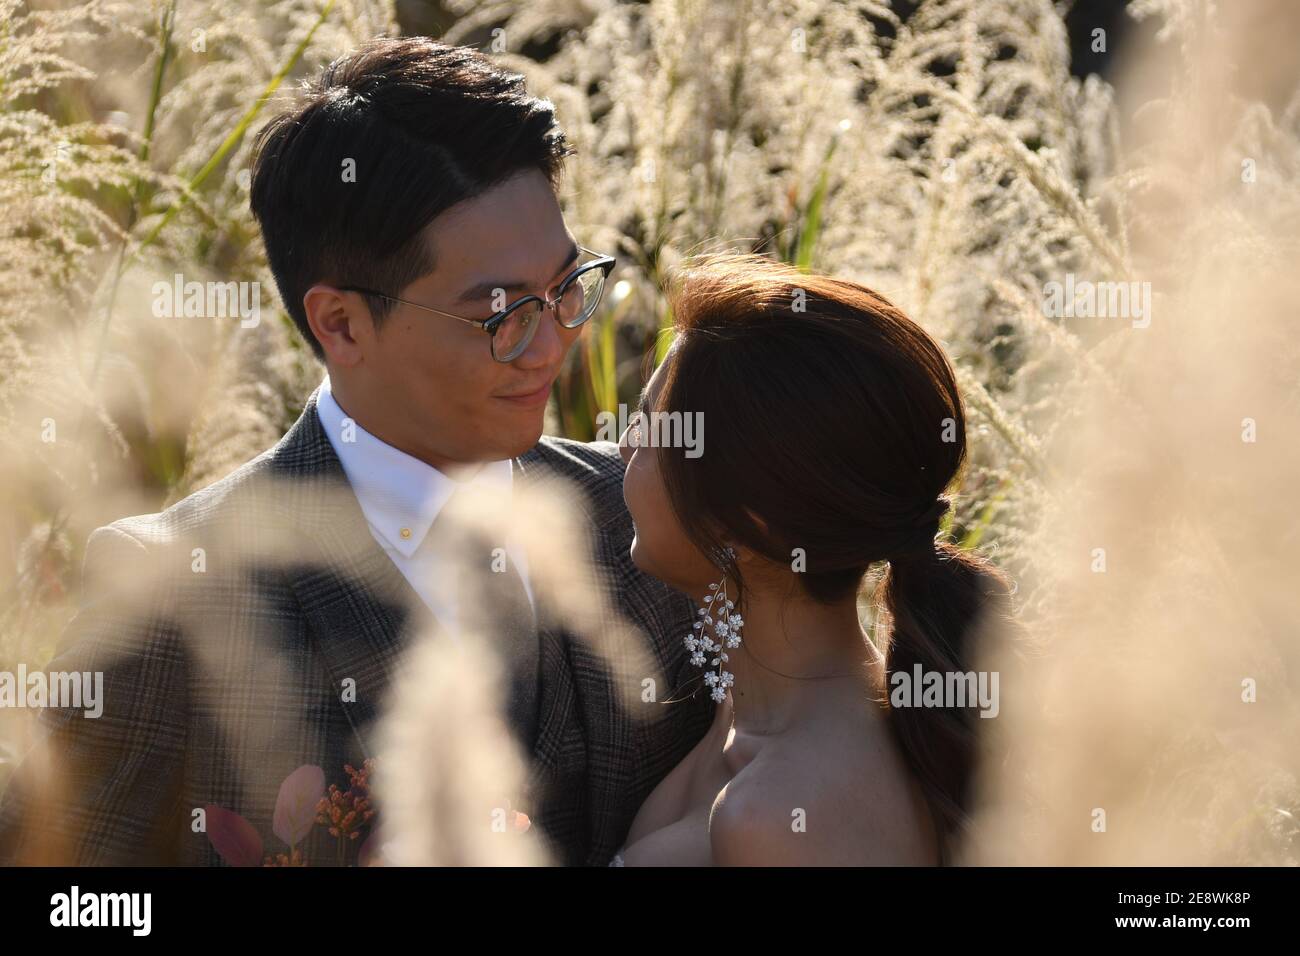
624 446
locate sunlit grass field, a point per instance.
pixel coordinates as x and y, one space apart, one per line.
1131 468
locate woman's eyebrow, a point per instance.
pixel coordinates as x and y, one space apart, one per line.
484 290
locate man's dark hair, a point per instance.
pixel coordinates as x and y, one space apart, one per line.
427 125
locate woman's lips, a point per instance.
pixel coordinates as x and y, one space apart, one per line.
530 399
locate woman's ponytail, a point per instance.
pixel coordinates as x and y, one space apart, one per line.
933 600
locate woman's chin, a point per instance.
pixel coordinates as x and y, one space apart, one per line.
635 553
643 560
659 570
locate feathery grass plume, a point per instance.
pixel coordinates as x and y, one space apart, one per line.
1166 610
448 774
121 166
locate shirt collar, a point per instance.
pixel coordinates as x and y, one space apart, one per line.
399 494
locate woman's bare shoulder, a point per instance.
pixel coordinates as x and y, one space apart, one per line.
821 801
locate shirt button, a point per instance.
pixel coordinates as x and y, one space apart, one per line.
406 532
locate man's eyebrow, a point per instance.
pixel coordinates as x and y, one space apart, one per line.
485 290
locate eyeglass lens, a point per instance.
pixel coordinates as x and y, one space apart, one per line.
573 307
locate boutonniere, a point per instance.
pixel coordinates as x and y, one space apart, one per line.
303 803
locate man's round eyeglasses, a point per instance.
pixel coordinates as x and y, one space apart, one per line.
512 329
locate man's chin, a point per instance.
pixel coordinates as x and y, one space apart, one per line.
522 439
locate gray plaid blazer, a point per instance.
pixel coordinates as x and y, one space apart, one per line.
218 685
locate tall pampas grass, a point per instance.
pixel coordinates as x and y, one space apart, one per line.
1164 685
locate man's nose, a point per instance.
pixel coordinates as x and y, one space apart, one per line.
549 344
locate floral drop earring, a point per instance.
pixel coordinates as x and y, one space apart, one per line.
719 615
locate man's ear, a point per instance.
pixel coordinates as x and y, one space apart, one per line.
341 322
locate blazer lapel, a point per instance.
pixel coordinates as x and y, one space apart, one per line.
582 769
360 609
552 759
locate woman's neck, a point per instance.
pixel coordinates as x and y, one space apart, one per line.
793 651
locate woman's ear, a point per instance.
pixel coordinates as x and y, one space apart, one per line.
745 557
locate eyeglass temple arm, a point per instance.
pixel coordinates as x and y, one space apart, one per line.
481 323
606 262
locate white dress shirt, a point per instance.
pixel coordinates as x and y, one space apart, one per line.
401 496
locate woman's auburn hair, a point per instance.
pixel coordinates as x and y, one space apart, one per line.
835 425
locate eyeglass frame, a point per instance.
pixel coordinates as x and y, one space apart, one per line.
494 322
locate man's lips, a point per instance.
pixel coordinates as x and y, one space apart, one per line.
533 398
